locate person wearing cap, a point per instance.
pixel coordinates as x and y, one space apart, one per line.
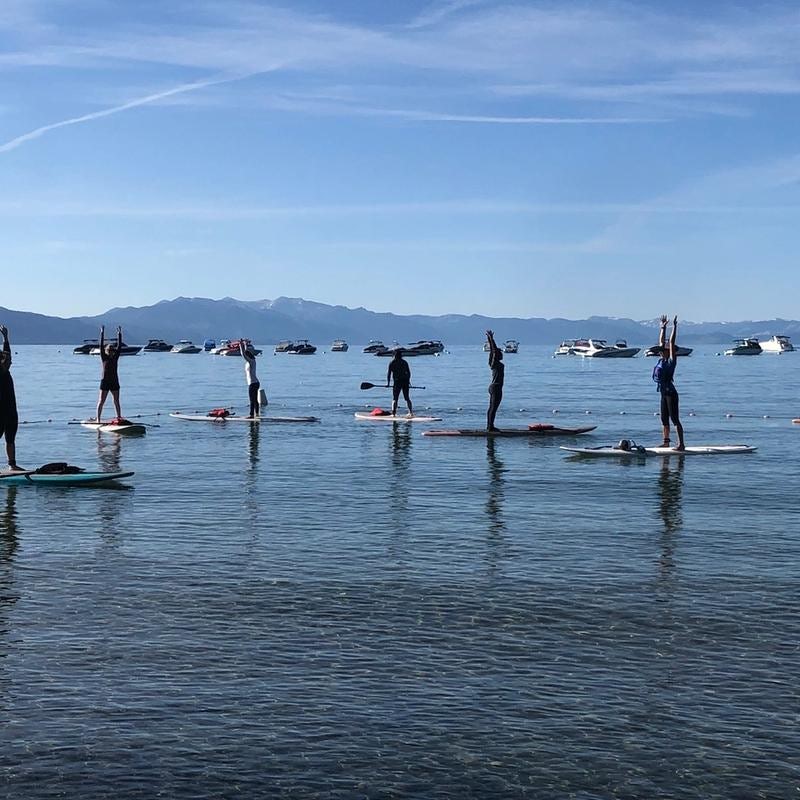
400 374
663 375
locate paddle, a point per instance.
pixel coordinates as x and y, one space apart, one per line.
366 385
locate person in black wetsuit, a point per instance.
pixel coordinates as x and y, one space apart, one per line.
498 377
9 422
400 374
663 375
109 382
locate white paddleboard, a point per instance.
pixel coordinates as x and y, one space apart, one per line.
394 418
697 450
235 418
129 429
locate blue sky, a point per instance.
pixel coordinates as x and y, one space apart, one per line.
527 159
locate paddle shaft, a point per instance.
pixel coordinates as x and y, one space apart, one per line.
366 385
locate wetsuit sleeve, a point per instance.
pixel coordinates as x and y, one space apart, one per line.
102 346
389 372
7 351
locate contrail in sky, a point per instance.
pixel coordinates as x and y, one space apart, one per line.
12 144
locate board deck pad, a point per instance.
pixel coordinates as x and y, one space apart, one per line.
545 430
236 418
69 479
129 429
610 451
395 418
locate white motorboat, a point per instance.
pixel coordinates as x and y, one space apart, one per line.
600 348
340 346
681 352
284 346
565 348
745 347
223 345
511 346
374 346
185 347
777 344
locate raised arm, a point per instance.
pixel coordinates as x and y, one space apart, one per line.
672 349
493 348
389 371
119 339
662 336
103 342
6 345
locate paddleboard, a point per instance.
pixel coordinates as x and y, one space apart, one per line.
394 418
235 418
545 430
74 479
699 450
123 429
796 421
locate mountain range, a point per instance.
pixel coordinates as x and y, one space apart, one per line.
269 321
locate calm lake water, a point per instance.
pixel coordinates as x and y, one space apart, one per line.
351 610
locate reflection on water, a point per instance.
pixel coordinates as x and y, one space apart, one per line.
670 492
495 502
109 458
8 547
399 477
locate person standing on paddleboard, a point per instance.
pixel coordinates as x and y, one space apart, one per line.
498 378
109 382
663 375
9 421
253 384
400 374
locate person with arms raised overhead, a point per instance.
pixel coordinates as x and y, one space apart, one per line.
253 384
109 382
498 378
9 422
400 374
663 375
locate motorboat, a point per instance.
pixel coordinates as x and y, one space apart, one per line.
425 347
302 347
681 352
224 344
600 348
623 351
87 347
157 346
209 345
565 348
125 349
777 344
511 346
232 348
340 346
185 347
284 346
374 346
745 347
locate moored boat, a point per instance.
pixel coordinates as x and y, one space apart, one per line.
185 347
748 346
340 346
681 352
511 346
209 345
156 346
600 348
565 348
374 346
777 344
86 348
125 350
302 347
232 348
425 347
284 346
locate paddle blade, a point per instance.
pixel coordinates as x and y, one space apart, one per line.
366 385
